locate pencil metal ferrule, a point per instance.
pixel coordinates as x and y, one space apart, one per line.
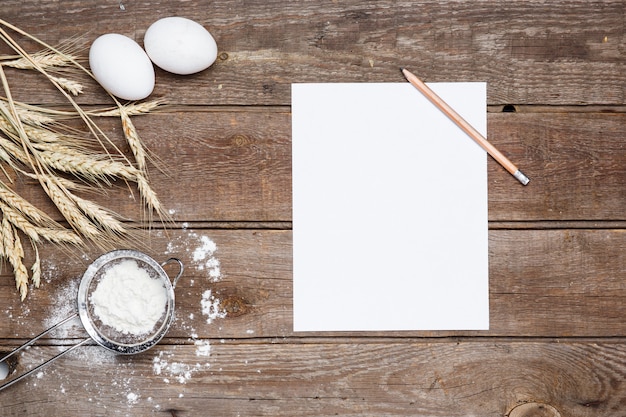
521 177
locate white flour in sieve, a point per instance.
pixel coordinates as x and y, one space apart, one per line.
128 299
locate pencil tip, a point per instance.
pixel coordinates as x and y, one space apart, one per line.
401 69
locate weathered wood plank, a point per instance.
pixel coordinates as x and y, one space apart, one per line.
548 283
528 52
232 166
576 162
556 295
347 378
236 166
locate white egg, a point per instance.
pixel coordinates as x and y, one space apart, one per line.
121 66
180 45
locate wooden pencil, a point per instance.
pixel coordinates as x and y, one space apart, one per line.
465 126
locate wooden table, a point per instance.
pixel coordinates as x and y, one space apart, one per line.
556 79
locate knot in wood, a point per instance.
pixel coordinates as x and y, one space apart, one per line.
235 306
240 140
534 410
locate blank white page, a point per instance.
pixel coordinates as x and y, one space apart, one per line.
389 209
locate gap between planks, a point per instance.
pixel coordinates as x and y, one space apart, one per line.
286 108
341 338
493 225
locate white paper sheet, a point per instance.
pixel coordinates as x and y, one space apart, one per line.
389 209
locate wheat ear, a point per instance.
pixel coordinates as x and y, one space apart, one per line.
133 139
62 200
14 200
36 133
137 146
101 217
91 166
50 231
131 109
14 252
31 116
36 268
44 59
73 87
87 218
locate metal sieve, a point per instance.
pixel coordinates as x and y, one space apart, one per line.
104 335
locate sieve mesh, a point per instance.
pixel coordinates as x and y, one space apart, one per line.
107 336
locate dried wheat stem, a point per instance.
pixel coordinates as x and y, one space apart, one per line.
14 252
5 157
94 129
60 236
47 228
70 160
149 196
36 133
14 200
17 124
36 268
59 51
101 217
45 59
30 115
14 152
132 109
87 218
92 167
73 87
19 221
67 206
133 139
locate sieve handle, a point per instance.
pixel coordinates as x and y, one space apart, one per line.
180 272
39 336
33 340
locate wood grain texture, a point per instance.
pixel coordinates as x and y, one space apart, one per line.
346 378
531 294
557 248
235 165
527 52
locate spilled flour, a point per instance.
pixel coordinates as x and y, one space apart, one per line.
165 364
211 307
203 255
122 375
202 252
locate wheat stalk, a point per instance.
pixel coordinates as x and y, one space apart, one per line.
53 115
30 116
45 59
35 133
149 197
93 167
14 252
15 201
41 227
36 268
62 200
19 221
69 85
35 143
133 139
130 109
